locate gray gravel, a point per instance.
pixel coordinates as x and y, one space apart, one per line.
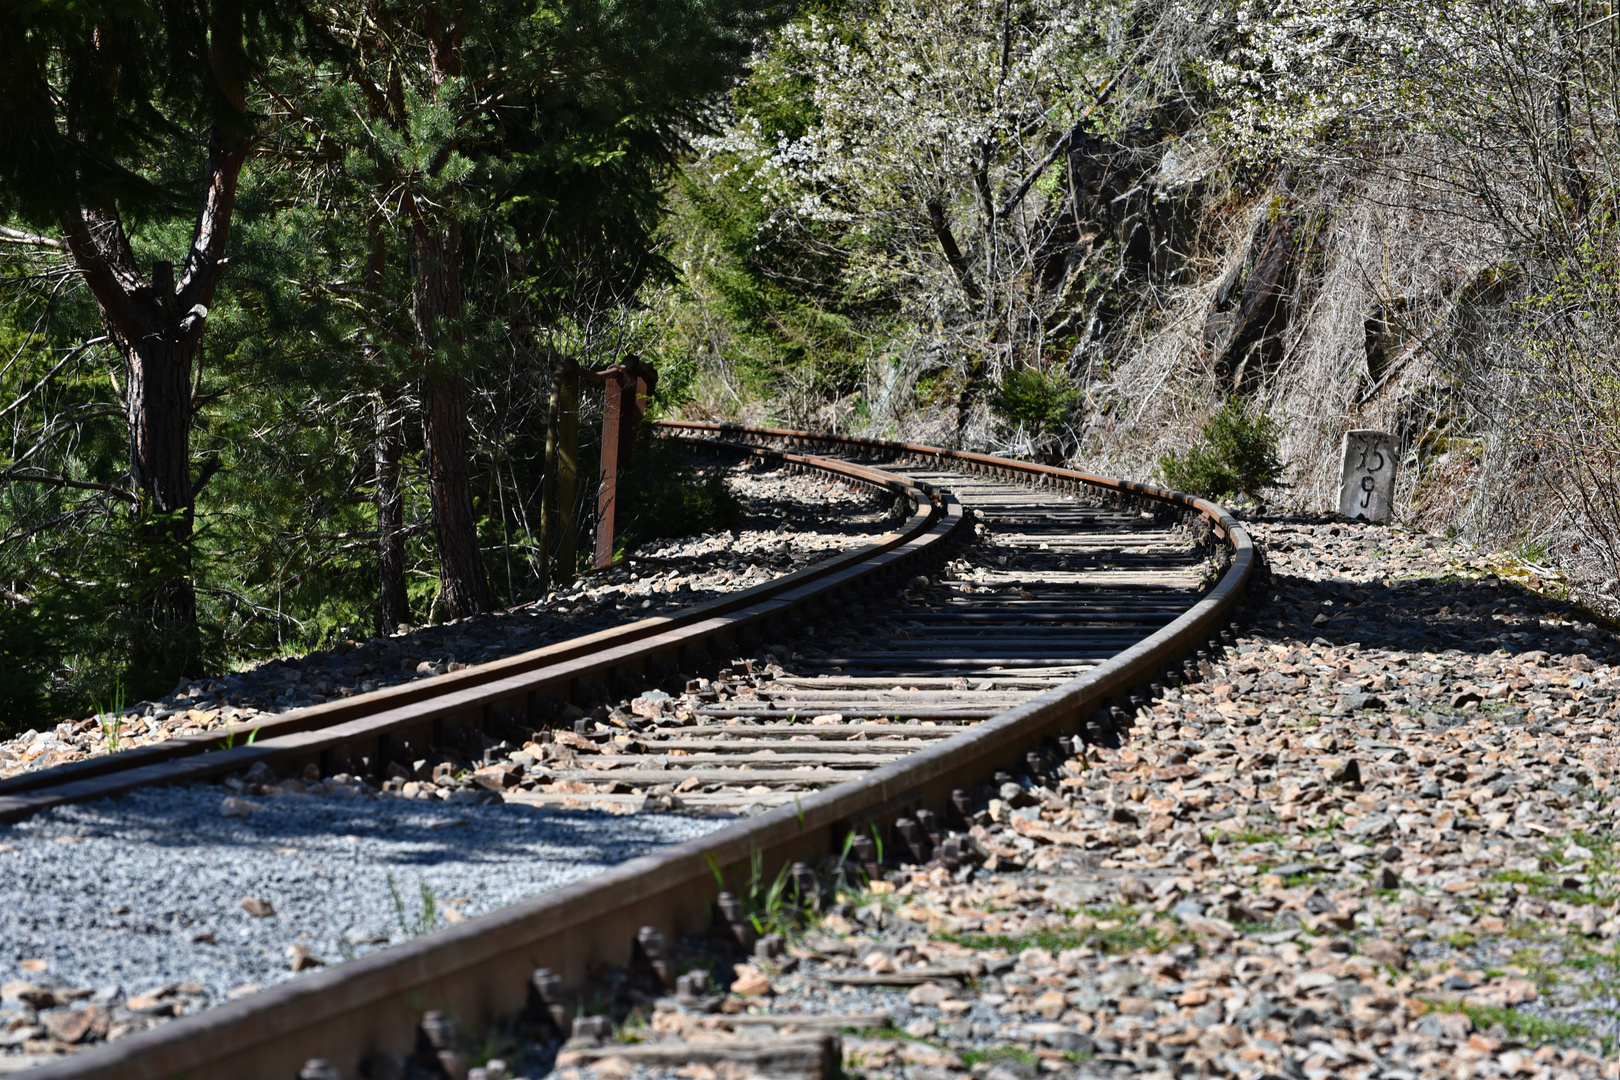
789 521
118 892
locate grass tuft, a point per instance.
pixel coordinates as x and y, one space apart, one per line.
426 919
1527 1027
993 1054
1127 936
110 719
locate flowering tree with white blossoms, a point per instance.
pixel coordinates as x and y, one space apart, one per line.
929 159
1507 111
1512 104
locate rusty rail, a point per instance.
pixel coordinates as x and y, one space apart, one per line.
481 969
518 686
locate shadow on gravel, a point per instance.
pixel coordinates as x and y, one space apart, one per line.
1423 614
794 507
416 833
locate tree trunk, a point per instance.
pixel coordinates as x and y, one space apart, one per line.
157 324
436 272
394 609
568 472
461 568
548 483
436 310
158 370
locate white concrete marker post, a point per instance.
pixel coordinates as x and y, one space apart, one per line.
1367 485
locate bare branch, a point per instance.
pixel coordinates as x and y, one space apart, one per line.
1045 163
16 236
69 358
38 476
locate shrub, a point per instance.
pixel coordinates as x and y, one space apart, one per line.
25 663
663 494
1236 454
1042 403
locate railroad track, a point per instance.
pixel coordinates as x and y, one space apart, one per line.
1056 588
864 697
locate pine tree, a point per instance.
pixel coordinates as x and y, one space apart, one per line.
101 104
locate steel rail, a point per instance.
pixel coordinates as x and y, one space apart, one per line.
481 969
360 727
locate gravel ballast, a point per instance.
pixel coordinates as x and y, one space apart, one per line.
1377 839
143 901
789 521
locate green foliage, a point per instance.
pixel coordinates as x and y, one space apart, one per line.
426 918
553 155
1125 936
26 661
1041 402
765 302
868 143
1527 1027
663 494
1236 454
84 615
98 92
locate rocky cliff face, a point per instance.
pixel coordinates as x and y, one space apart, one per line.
1172 280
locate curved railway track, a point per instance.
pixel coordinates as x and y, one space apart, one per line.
868 694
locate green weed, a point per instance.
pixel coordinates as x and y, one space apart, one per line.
427 916
1532 551
1236 454
773 908
1334 823
1127 936
772 913
229 741
110 719
993 1054
492 1042
1294 881
1245 836
1550 887
1043 403
1519 1025
848 878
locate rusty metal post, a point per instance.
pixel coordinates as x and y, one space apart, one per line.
634 407
625 389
